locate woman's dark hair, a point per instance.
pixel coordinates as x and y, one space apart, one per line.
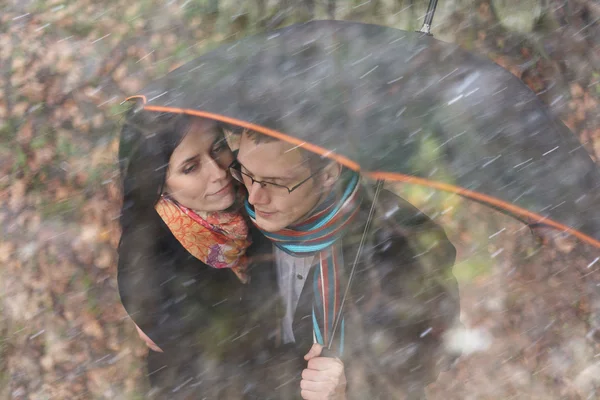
147 142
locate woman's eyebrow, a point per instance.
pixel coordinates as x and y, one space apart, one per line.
187 160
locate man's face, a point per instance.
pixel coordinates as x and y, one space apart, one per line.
281 163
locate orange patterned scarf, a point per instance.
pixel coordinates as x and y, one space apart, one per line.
218 239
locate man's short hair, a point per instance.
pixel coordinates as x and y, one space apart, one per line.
315 161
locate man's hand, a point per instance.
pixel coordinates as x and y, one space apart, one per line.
324 378
148 341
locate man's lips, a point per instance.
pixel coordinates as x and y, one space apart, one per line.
221 191
265 214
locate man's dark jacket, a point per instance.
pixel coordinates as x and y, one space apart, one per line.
402 299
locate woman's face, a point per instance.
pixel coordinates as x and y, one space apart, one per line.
197 176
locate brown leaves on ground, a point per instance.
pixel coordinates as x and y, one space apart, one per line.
64 69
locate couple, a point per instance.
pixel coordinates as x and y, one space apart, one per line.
237 288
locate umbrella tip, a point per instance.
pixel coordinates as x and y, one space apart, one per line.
426 29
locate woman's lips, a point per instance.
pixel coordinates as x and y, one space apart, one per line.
222 191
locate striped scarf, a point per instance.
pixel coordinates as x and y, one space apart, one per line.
321 235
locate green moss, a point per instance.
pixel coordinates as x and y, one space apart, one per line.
80 29
39 142
62 209
8 130
64 147
469 270
21 162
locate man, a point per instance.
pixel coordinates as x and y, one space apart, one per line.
387 339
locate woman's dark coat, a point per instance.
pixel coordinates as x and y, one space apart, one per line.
204 319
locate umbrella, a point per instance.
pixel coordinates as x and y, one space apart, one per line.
399 106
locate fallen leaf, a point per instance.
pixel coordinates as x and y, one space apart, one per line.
6 251
92 328
576 90
105 259
565 244
17 194
25 132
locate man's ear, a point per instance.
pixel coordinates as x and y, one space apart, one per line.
331 174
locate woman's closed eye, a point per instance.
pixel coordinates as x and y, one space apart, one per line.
189 168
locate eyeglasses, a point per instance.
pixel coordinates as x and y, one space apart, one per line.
236 172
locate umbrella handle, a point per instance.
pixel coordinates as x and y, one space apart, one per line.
426 28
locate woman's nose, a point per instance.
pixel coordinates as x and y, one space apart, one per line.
215 170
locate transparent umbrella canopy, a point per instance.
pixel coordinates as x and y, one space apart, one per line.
399 106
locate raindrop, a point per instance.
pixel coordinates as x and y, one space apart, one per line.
42 27
102 359
20 16
156 97
549 325
468 81
168 280
593 262
399 113
491 161
395 80
580 198
180 298
400 38
447 75
96 90
497 233
497 253
155 371
362 4
559 98
500 91
368 72
220 302
550 151
107 101
393 15
524 162
471 92
147 55
361 60
37 334
103 37
178 388
454 100
426 332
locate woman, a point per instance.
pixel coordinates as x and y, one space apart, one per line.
189 272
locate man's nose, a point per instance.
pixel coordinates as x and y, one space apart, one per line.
257 194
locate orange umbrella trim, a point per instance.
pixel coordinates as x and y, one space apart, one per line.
389 176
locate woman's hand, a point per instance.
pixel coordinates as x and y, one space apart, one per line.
324 378
148 341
